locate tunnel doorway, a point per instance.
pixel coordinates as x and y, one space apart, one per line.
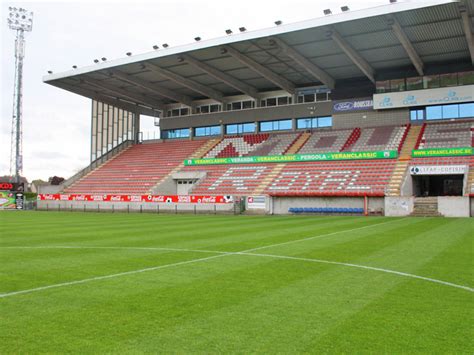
438 185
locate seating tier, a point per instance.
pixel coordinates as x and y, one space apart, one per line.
447 135
137 169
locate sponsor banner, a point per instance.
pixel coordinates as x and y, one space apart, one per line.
137 198
353 105
256 202
387 154
10 186
7 200
441 152
438 170
449 95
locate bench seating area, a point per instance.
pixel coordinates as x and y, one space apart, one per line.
325 210
326 141
253 145
347 178
379 138
241 179
137 169
447 135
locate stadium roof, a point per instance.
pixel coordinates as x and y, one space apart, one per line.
320 51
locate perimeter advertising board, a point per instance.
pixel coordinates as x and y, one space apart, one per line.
294 158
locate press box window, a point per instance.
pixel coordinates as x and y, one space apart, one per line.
240 128
207 131
280 125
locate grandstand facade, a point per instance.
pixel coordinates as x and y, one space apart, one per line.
361 112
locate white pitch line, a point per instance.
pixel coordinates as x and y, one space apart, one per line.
222 254
446 283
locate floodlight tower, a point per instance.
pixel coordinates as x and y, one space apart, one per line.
21 21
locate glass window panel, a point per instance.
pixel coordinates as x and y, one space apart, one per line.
300 99
325 121
247 104
231 129
263 103
215 130
382 86
466 78
413 115
271 102
434 113
415 83
466 110
284 125
184 111
198 109
175 112
450 111
282 101
266 126
303 123
309 98
215 108
249 127
205 109
448 79
237 105
200 131
397 85
431 81
229 107
322 96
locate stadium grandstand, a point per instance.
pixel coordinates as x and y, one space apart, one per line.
362 112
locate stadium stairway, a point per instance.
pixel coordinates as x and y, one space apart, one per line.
404 158
167 185
425 207
296 146
270 177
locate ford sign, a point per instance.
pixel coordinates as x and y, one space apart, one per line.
353 105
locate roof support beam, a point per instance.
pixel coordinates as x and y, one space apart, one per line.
186 100
190 84
309 66
221 76
276 79
109 100
356 58
407 45
143 99
466 24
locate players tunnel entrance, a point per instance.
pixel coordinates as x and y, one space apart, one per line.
438 185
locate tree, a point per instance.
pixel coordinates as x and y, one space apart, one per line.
55 180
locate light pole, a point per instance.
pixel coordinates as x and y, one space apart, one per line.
21 21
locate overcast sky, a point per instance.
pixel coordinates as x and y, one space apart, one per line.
56 124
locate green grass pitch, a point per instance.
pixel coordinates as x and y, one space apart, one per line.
140 283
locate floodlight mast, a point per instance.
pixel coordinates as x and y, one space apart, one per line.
21 21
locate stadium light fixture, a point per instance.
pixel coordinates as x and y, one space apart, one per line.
104 59
229 31
197 39
74 67
165 45
96 61
278 23
50 72
344 8
20 21
128 54
327 12
155 47
242 29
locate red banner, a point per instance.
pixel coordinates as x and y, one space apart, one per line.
137 198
